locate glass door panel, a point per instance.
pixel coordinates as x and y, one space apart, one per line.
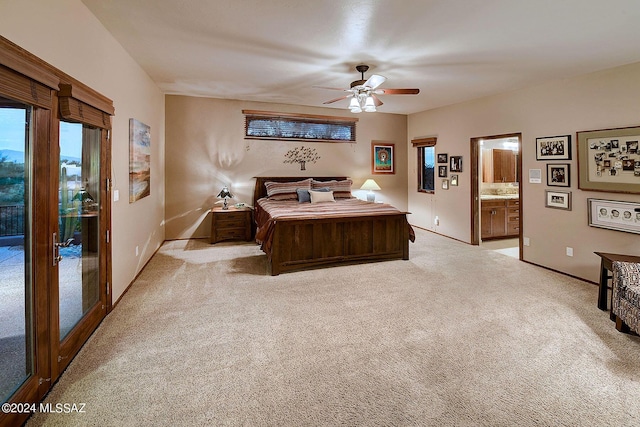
16 299
78 225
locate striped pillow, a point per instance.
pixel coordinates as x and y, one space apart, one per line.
341 189
286 190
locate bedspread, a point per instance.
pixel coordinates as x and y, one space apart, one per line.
268 212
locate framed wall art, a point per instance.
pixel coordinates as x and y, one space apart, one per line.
558 199
139 160
454 180
619 216
609 160
445 184
558 175
442 171
443 158
455 164
553 148
382 158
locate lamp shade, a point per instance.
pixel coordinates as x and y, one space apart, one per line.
370 184
225 193
369 105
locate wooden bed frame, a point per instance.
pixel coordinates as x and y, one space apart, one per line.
305 243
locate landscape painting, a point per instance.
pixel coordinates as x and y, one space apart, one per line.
139 160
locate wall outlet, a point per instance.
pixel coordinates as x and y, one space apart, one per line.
569 251
526 241
137 251
436 220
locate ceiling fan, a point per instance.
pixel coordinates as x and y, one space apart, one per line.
363 93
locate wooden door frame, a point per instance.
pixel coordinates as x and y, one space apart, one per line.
475 185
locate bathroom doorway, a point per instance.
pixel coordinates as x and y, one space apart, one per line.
496 173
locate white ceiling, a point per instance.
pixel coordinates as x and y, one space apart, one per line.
452 50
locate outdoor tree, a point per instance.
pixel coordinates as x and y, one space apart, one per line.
11 182
301 155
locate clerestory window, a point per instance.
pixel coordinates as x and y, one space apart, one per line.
299 127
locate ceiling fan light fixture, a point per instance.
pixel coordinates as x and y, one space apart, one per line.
354 105
369 105
363 92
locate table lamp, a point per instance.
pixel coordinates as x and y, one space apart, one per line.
370 185
225 194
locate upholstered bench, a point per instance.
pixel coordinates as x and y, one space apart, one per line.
626 296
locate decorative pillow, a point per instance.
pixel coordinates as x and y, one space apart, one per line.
321 196
341 189
286 190
303 195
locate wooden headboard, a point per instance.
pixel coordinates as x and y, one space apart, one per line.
260 190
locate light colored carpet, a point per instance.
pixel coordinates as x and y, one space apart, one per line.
456 336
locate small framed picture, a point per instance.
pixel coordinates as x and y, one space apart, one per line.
456 164
553 148
443 158
454 180
442 171
558 199
382 158
558 175
445 184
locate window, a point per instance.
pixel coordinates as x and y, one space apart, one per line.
299 127
426 163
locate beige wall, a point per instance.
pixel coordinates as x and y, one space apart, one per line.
206 149
606 99
73 40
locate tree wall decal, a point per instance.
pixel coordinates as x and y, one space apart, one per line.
302 155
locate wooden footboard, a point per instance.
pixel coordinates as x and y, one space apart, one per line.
308 243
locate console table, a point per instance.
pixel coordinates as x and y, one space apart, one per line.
606 260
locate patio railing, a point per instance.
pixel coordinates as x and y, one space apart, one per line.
11 220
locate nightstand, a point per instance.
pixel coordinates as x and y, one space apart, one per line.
231 224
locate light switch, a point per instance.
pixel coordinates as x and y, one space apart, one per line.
116 195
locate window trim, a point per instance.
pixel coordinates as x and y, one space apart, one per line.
299 118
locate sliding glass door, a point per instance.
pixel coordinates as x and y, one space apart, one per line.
55 216
78 244
16 292
80 273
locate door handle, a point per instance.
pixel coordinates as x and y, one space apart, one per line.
56 248
65 244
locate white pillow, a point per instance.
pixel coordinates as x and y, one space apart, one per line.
321 196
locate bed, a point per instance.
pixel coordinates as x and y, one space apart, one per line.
304 235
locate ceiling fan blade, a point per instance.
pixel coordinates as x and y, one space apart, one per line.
374 81
376 100
398 91
337 99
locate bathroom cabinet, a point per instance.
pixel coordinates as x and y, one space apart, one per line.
500 218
